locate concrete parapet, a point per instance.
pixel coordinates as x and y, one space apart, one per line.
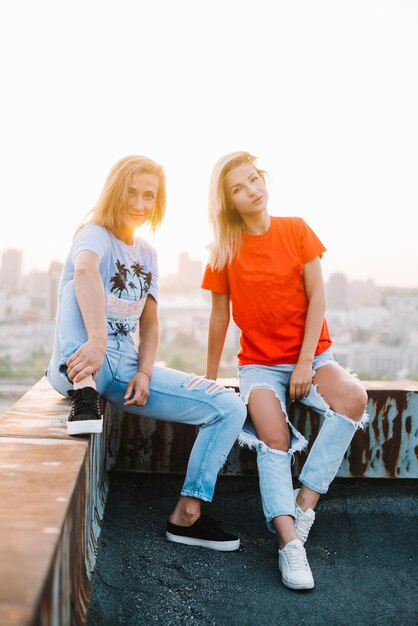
53 491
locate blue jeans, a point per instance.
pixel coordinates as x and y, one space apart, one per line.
174 396
274 466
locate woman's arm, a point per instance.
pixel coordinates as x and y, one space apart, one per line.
89 292
149 335
301 379
218 326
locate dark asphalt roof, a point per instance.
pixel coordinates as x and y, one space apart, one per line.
363 551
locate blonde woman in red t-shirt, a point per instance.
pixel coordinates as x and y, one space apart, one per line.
269 269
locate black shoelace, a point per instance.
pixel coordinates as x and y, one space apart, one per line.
84 402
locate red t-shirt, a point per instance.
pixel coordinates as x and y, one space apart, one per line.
265 286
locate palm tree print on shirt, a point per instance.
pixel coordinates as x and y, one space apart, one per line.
121 279
143 277
119 329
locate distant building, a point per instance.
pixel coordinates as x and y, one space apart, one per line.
3 304
363 293
188 277
376 360
35 285
30 297
11 270
54 275
337 291
17 306
345 294
189 273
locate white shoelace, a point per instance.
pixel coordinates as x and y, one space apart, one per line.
303 524
296 557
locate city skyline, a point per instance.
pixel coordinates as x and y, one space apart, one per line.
320 92
373 328
173 270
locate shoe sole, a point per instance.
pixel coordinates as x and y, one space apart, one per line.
223 546
85 427
296 586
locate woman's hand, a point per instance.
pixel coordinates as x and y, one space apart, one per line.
87 360
301 380
89 292
139 387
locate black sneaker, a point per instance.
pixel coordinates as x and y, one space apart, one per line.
204 532
85 417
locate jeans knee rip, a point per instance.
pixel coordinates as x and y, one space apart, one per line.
211 387
249 439
358 425
246 398
326 362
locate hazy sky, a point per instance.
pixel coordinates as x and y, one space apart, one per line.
324 92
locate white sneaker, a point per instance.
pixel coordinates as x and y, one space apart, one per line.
304 520
294 566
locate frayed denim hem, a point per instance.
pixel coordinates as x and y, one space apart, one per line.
246 398
362 423
269 520
197 495
251 441
248 437
321 490
357 424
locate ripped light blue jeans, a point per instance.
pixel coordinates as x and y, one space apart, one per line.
274 466
174 396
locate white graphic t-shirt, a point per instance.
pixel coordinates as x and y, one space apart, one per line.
129 274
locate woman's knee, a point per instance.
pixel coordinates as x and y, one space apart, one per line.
237 408
278 441
230 407
354 403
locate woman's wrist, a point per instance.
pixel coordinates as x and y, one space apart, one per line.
143 371
304 358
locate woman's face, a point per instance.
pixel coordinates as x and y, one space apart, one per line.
246 190
143 193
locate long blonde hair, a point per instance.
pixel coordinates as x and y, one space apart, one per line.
115 193
227 224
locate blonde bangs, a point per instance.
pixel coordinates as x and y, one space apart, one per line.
227 225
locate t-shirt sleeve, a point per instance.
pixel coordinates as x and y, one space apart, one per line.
310 245
154 289
93 238
216 280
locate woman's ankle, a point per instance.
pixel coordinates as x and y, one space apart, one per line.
186 511
86 382
284 526
307 498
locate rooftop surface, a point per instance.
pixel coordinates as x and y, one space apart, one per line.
363 551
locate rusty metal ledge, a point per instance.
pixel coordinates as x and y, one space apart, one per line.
387 448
